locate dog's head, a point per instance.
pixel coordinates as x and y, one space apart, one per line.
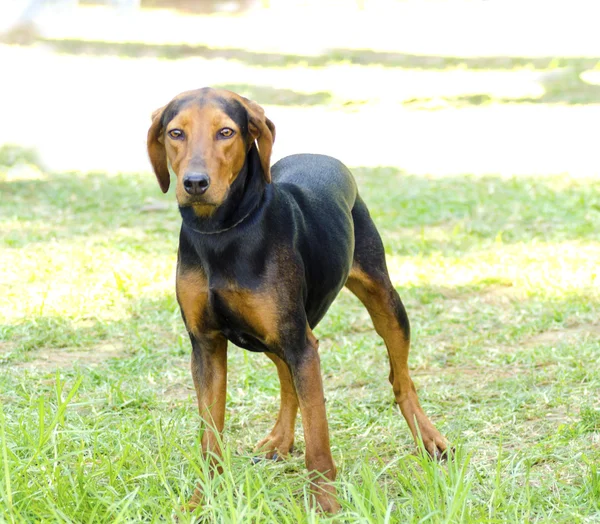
202 137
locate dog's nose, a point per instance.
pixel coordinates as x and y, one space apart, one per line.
196 183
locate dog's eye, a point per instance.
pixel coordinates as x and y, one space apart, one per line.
176 134
226 132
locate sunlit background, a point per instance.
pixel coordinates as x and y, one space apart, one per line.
432 87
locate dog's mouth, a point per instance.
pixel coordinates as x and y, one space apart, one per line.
198 201
204 204
201 209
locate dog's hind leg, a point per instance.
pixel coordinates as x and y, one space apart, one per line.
370 282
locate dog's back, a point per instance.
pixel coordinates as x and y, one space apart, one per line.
323 176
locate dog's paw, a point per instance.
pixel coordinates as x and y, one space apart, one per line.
275 447
435 444
325 498
196 500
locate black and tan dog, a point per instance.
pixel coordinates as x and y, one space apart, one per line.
263 252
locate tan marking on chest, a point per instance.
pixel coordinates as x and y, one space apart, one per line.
192 295
261 311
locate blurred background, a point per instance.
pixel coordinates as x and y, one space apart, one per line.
431 87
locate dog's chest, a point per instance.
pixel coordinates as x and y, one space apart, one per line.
248 318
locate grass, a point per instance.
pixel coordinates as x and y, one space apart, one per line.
499 275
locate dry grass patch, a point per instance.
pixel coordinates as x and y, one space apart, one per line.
52 359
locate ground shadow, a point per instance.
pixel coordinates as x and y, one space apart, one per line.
91 207
468 213
154 327
327 57
467 210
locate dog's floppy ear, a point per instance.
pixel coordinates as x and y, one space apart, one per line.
262 130
156 150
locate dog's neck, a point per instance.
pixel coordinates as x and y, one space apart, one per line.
245 196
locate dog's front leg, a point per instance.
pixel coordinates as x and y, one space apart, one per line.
280 441
209 371
305 368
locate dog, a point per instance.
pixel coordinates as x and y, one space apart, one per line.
263 252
